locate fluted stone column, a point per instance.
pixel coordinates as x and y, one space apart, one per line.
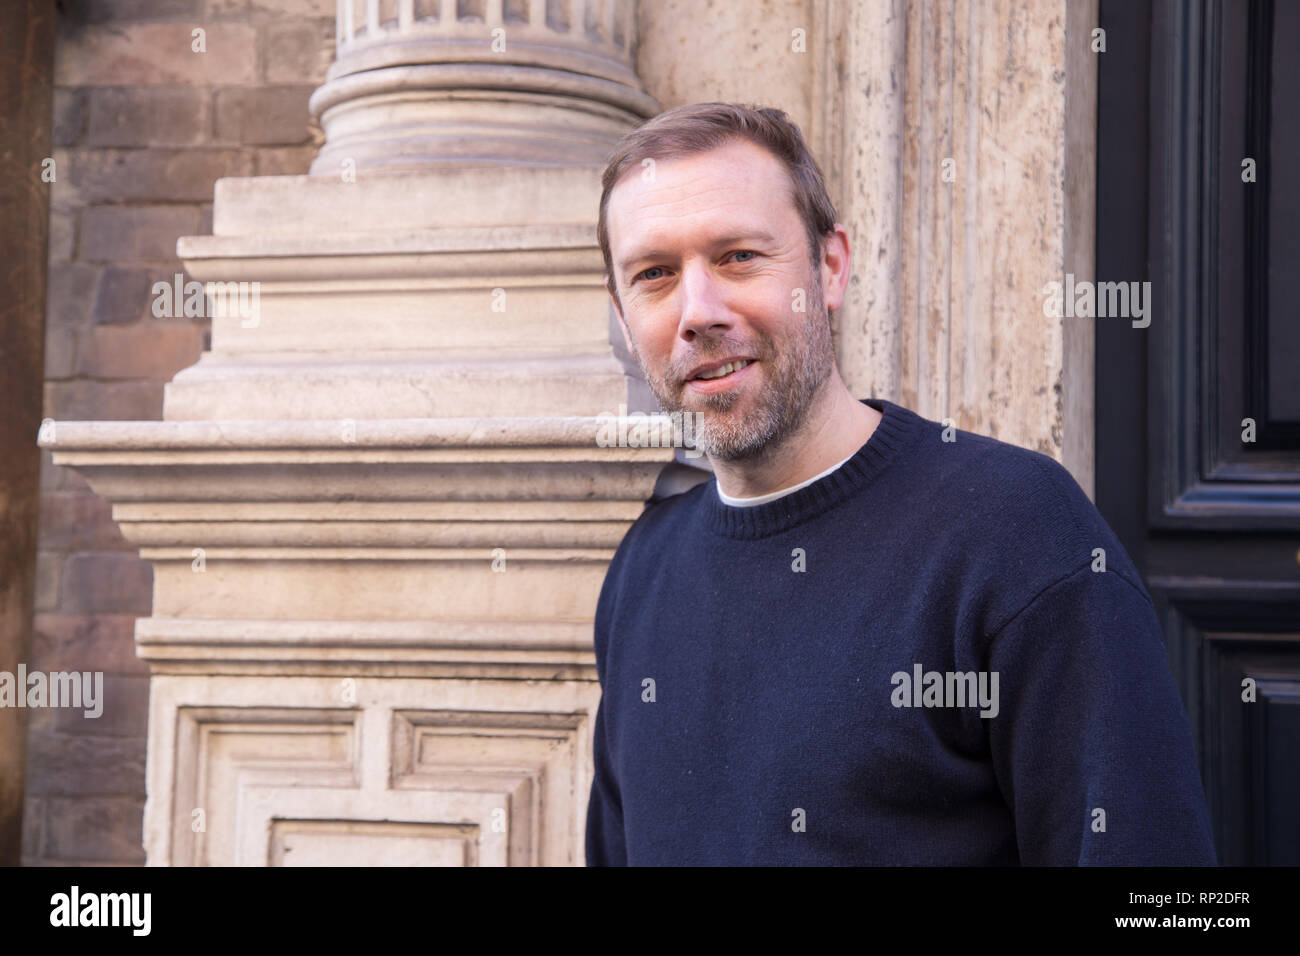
509 81
378 509
959 142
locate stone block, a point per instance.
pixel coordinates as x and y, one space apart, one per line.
159 174
114 233
103 11
70 294
123 294
158 54
63 233
103 401
89 766
157 349
298 51
62 191
149 116
57 478
284 160
102 830
125 711
33 827
93 642
69 117
107 581
60 351
76 521
271 9
267 116
49 566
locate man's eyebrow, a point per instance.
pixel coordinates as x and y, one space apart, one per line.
748 235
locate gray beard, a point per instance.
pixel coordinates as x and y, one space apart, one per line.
794 377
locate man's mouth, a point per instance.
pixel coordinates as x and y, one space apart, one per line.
717 377
722 371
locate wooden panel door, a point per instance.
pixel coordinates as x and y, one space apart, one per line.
1198 414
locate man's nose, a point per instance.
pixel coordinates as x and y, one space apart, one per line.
704 310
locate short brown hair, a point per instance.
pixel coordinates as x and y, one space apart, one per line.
700 127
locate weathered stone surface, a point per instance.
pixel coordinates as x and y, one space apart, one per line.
49 565
60 351
71 294
124 713
281 161
156 349
156 54
149 116
80 400
271 9
955 179
124 294
93 642
728 53
107 582
110 233
90 766
298 51
69 117
265 116
92 830
153 174
63 233
104 11
56 478
33 829
77 521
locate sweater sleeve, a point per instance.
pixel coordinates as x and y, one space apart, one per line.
1091 744
604 842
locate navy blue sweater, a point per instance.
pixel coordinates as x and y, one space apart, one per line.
812 680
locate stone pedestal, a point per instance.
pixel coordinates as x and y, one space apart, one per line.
371 650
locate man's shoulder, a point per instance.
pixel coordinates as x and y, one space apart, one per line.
670 505
1015 505
666 512
969 468
960 463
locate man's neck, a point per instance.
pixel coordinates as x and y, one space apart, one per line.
836 427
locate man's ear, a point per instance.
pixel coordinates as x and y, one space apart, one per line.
835 267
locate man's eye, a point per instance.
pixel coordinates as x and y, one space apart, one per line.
745 252
646 274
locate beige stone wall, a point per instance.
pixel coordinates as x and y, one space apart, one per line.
143 126
693 51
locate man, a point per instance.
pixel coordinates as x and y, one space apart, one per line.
871 639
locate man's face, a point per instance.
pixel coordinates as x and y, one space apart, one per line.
710 258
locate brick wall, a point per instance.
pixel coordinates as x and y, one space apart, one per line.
143 127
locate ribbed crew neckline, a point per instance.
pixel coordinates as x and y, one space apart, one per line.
896 427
